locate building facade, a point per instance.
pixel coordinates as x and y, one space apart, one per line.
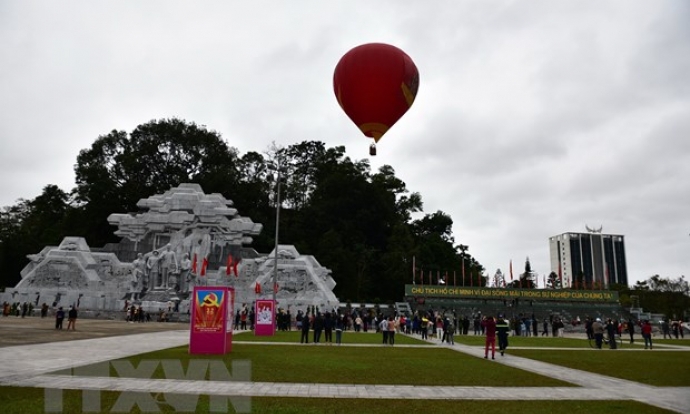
593 258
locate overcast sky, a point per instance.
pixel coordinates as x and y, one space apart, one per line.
533 118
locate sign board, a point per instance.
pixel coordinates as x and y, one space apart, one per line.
211 320
265 313
464 292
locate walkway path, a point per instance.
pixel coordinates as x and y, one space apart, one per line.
29 365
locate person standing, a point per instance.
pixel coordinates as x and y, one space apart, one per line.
423 328
647 334
502 328
339 325
611 330
598 332
318 327
450 332
545 330
328 329
489 325
588 327
384 329
391 331
72 318
304 339
631 330
665 329
59 317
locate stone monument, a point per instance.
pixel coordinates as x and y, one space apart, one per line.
182 238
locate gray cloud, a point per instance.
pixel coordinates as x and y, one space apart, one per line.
533 117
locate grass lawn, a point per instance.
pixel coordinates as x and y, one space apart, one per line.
30 401
676 342
364 365
349 337
663 368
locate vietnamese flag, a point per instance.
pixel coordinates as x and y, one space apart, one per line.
234 266
204 265
228 265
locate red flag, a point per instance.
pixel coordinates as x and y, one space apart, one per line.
257 288
228 265
204 265
234 266
511 270
194 270
275 287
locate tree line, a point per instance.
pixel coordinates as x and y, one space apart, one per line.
356 222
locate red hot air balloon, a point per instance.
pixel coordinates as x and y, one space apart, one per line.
375 84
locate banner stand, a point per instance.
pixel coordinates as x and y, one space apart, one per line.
265 311
210 330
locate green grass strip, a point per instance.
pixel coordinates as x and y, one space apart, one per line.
659 368
364 365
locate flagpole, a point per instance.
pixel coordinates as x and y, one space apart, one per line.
413 269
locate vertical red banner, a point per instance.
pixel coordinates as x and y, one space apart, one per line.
265 312
210 329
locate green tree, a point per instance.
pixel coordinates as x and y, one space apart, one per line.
553 281
28 227
120 169
657 294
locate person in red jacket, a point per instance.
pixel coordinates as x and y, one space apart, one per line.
489 325
647 334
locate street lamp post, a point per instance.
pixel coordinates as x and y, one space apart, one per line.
275 267
463 249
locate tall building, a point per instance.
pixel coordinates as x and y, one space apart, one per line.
595 257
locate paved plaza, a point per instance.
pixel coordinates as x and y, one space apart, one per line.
29 364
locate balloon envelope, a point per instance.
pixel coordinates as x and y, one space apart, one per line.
375 84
